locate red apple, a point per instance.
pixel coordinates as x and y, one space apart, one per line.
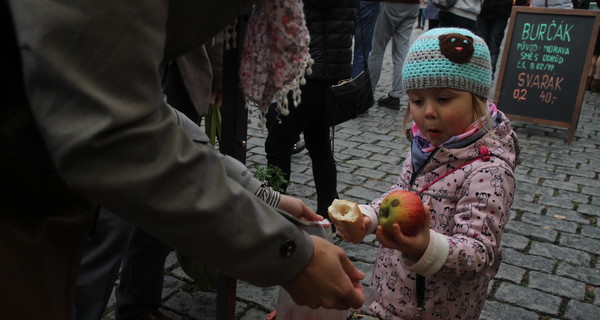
404 208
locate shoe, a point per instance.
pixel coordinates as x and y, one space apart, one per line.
595 85
389 102
588 83
298 147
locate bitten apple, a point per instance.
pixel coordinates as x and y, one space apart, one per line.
404 208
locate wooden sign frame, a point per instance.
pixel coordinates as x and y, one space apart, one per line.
570 124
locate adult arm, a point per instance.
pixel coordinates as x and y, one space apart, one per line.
93 77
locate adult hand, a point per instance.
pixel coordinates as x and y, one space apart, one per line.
298 208
330 280
413 246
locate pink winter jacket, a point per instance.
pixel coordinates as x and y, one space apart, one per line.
469 209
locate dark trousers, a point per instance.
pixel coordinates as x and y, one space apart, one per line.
433 23
492 32
117 244
308 118
448 19
421 18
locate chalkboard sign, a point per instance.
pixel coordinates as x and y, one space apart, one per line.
545 64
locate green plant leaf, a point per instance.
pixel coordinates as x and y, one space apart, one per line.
213 124
270 175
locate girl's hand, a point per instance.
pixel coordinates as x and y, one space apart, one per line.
298 208
413 246
363 227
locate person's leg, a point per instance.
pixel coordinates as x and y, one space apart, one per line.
591 73
496 37
595 85
594 65
484 29
372 9
433 23
384 28
100 265
363 35
284 134
445 19
139 292
273 117
406 15
596 61
318 144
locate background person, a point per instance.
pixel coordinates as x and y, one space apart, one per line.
462 15
331 27
491 24
395 21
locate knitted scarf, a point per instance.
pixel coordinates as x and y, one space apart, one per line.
275 55
422 148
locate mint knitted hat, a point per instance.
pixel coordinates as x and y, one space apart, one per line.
448 58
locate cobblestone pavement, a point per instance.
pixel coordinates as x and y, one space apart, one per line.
551 267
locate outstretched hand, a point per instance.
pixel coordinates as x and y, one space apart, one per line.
298 208
330 280
413 246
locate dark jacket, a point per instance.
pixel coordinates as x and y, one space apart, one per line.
331 28
498 9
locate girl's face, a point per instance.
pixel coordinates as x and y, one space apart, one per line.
441 113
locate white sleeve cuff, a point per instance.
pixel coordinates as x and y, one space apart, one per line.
370 212
434 257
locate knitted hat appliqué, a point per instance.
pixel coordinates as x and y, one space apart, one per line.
456 47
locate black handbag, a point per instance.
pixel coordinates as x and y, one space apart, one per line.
350 97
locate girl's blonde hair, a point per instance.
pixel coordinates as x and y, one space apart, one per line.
480 110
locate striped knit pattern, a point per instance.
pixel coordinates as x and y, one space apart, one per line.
269 195
426 67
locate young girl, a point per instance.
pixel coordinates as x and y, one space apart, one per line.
461 163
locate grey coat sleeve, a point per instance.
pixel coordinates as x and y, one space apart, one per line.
92 74
233 168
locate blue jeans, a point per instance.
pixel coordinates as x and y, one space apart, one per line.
363 35
492 32
395 21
